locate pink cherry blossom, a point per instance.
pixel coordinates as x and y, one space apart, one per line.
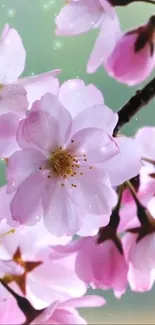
100 265
46 280
17 95
69 158
133 57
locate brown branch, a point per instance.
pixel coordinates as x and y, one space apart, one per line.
135 104
126 2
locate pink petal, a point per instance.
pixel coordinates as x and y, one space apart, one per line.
144 247
12 57
8 128
22 136
140 281
92 223
127 163
105 43
13 98
76 96
109 267
13 317
85 301
95 144
135 67
146 138
39 130
63 316
83 266
21 165
25 205
98 116
93 192
50 104
76 18
54 280
5 213
46 314
39 85
61 216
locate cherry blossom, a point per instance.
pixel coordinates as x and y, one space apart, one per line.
101 265
68 158
133 57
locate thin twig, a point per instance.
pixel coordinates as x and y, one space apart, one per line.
135 104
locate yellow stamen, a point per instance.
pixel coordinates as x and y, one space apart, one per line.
61 162
12 231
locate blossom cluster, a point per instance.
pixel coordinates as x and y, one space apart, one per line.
68 173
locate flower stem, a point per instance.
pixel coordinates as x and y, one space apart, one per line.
135 104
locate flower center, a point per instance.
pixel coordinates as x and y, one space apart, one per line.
62 163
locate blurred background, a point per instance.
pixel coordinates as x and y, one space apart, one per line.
34 20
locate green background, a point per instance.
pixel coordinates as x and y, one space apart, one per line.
34 19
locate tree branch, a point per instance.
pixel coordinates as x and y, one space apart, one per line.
134 105
127 2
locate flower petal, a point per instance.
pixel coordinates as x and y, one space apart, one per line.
12 55
92 146
92 223
85 301
61 215
21 165
64 316
39 85
8 128
76 96
146 138
13 98
50 104
98 116
127 163
39 130
105 43
76 18
93 193
25 205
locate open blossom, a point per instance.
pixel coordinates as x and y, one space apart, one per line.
66 163
80 16
30 271
99 265
144 184
57 313
133 57
17 95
